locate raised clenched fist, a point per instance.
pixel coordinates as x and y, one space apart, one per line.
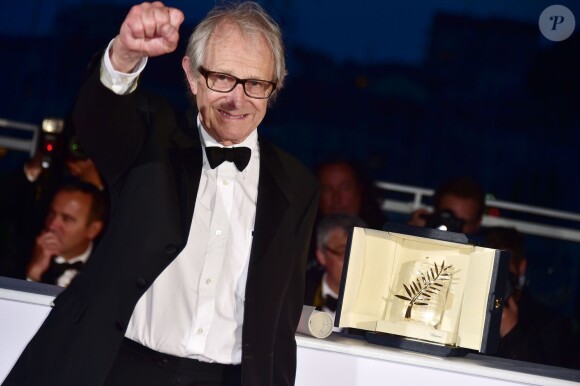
150 29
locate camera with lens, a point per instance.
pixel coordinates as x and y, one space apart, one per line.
444 220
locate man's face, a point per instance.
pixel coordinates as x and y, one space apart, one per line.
230 117
68 220
340 191
331 256
463 208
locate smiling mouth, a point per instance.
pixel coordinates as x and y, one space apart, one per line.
232 116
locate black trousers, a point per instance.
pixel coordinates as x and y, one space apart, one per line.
140 366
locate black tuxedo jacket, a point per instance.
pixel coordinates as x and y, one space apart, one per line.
313 287
151 159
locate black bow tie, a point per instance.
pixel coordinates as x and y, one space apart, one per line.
238 155
55 270
330 303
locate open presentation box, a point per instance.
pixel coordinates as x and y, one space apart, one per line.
423 289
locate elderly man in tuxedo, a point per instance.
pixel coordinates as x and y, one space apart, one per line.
199 278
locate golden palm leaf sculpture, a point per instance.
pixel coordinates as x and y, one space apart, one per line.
426 285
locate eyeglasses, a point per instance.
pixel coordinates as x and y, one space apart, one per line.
220 82
338 253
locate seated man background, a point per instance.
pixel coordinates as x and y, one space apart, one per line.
463 198
323 283
75 218
23 207
529 330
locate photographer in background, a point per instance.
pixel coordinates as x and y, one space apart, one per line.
459 205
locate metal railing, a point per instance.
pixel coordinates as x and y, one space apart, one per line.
537 228
21 144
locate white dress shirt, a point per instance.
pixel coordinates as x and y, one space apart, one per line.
327 291
195 308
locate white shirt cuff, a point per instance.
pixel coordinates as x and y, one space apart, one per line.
119 82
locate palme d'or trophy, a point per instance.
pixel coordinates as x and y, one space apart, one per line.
426 289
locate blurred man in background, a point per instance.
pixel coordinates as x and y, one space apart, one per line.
347 188
529 330
75 219
24 206
323 284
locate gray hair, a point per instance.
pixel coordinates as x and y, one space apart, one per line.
252 20
331 222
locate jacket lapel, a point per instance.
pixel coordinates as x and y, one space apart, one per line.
187 159
273 201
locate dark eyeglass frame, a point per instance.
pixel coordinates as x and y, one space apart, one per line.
206 74
334 251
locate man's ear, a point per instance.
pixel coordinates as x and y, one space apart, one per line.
191 79
94 229
321 257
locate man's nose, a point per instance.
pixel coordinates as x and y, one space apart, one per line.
237 94
52 223
336 196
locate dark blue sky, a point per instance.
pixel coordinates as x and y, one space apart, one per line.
362 31
365 31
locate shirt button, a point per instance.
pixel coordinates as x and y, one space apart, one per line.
225 182
200 331
218 232
208 282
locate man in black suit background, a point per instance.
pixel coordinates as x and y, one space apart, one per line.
75 218
199 278
323 282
